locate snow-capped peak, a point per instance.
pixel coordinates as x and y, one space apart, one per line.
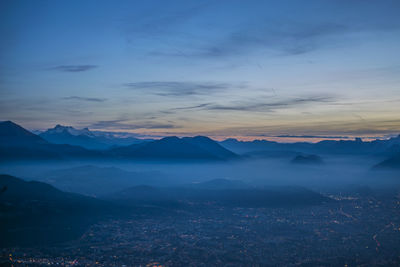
71 130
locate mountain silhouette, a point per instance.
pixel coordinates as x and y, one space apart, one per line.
86 138
13 134
210 146
390 163
17 143
171 148
350 147
69 135
37 213
96 181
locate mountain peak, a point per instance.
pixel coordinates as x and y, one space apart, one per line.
8 122
12 133
68 129
202 137
170 139
10 125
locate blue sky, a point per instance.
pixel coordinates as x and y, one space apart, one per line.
249 69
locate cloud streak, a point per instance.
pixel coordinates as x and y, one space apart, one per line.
87 99
291 39
313 136
175 88
73 68
125 125
284 38
263 106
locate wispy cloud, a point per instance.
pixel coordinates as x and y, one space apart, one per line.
312 136
73 68
126 125
204 105
161 20
283 38
327 128
264 106
88 99
289 38
175 88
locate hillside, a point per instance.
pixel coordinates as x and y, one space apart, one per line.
37 213
392 163
225 194
17 143
174 148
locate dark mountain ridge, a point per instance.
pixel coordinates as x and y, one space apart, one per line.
17 143
85 138
172 148
12 134
96 181
227 194
37 213
351 147
392 163
20 144
64 135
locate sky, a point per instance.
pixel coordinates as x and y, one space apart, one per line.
244 69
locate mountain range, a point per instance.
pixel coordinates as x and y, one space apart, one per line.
387 147
199 147
86 138
17 143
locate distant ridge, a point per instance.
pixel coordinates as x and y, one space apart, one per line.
352 147
17 143
210 146
13 134
20 144
69 135
222 192
88 139
37 213
171 148
392 163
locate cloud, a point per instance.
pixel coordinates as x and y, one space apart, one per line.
313 136
289 38
284 38
270 106
88 99
74 68
125 125
161 20
321 128
174 88
193 107
271 31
